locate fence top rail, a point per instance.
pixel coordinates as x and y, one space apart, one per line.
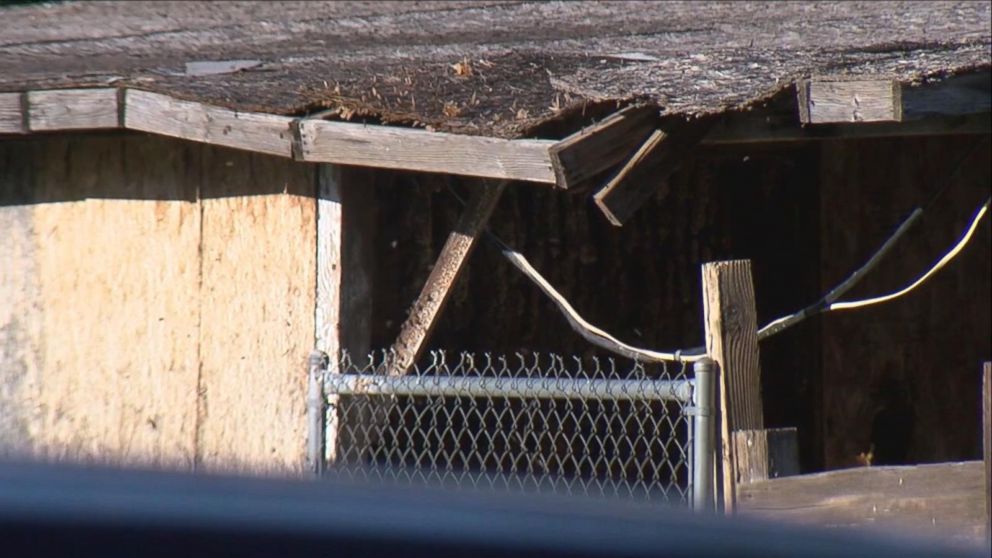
510 388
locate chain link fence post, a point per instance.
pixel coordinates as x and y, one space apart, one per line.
703 444
316 412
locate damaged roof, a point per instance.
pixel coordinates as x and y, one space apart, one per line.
483 68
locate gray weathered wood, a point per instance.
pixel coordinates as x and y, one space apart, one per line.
732 341
343 310
943 500
832 100
426 310
348 143
775 126
12 113
661 154
161 114
828 101
766 454
72 109
601 146
987 444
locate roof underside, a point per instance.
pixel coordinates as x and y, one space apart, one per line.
483 68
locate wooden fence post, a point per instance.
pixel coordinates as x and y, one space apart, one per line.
987 445
732 341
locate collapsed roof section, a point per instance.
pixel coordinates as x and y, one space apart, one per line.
499 69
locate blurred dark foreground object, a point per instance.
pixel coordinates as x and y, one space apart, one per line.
55 510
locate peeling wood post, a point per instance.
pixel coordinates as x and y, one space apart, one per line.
316 413
732 341
987 445
343 313
429 305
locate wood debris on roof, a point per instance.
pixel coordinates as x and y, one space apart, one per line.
485 68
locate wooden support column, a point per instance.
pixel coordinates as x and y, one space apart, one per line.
987 444
765 454
732 341
345 236
425 311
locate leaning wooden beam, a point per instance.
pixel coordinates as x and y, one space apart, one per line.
349 143
648 169
424 314
12 113
163 115
72 109
601 146
826 100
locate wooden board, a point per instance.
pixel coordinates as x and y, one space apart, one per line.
648 170
943 500
601 146
987 444
161 114
12 113
765 454
348 143
828 101
732 341
429 305
256 312
102 293
345 258
72 109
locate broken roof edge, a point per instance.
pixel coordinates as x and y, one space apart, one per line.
311 139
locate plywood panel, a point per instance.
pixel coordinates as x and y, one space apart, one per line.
110 286
257 311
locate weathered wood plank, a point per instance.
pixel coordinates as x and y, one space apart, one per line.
658 158
987 444
732 341
348 143
766 454
601 146
943 500
161 114
343 309
12 113
72 109
425 311
827 101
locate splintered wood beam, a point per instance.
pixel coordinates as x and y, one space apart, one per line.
604 145
648 169
429 305
12 112
831 100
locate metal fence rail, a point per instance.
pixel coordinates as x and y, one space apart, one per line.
533 423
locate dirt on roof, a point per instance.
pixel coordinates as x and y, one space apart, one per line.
486 68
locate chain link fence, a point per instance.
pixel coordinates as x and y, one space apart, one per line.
528 423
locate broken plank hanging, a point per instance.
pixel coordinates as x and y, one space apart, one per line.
648 169
349 143
425 311
607 143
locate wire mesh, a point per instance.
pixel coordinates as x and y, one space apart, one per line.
478 422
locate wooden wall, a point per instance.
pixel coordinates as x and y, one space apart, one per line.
157 302
908 369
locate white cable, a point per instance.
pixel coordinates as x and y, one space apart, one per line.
941 263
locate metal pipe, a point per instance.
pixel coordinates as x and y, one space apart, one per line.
316 412
704 442
535 388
